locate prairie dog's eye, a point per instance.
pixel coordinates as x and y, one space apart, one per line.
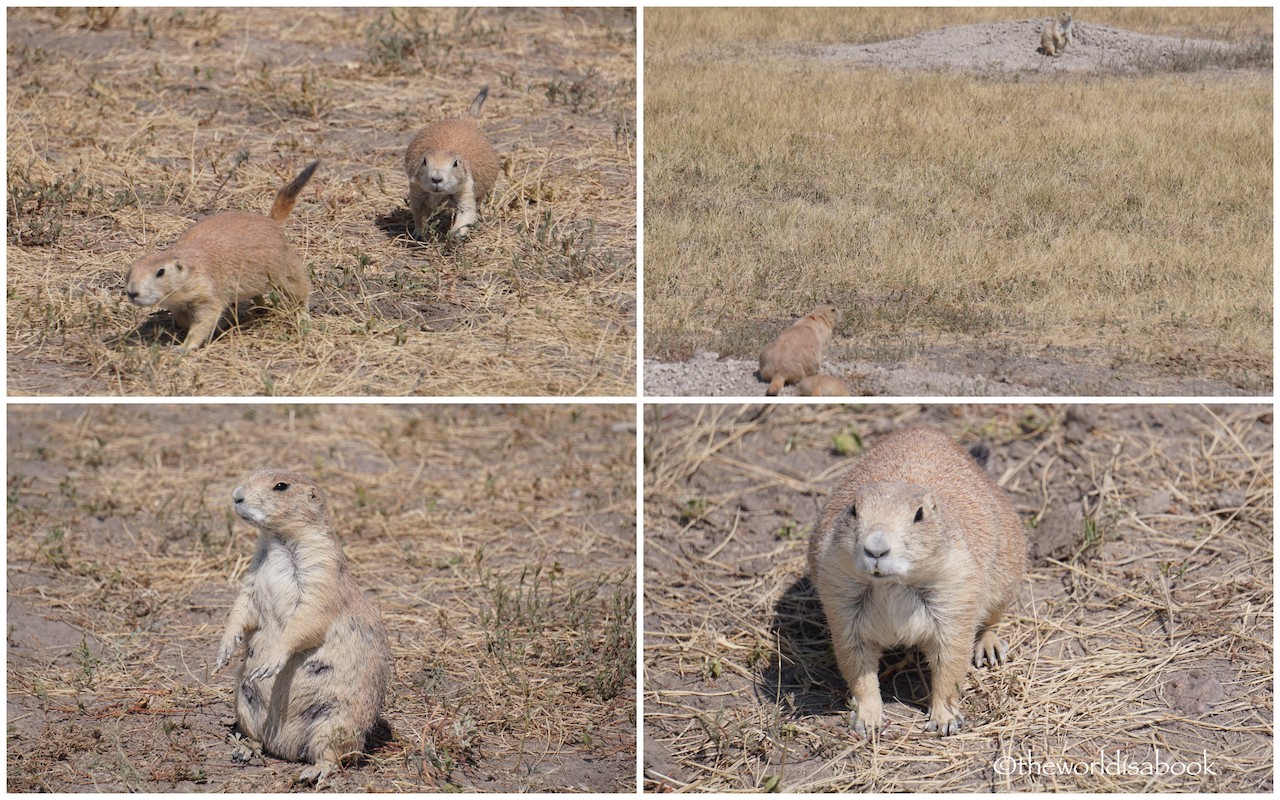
280 487
160 272
919 514
457 162
853 511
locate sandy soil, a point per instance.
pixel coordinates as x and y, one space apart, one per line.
1144 620
1011 48
949 371
499 543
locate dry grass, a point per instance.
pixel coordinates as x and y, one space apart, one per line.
498 541
124 127
1145 622
1131 216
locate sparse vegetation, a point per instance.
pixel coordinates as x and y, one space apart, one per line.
1125 216
124 127
499 543
1159 635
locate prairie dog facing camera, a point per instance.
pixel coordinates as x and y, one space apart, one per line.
1056 35
317 660
917 547
220 261
798 351
451 164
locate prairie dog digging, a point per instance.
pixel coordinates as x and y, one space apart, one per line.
220 261
317 660
451 164
917 547
798 351
1056 35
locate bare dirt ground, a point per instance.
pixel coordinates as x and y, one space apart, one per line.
125 126
498 541
1001 47
1144 627
957 368
1012 363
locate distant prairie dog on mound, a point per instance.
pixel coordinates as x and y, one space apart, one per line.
822 386
798 351
220 261
1056 35
917 547
451 164
317 659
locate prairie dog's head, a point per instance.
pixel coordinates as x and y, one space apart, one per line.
1064 19
154 277
441 173
828 314
282 503
889 532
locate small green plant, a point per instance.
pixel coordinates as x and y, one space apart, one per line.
695 508
88 662
847 443
792 530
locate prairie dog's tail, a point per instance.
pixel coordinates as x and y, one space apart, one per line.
479 101
776 385
288 195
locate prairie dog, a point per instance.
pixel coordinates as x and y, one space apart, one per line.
798 351
317 659
1056 35
220 261
451 163
823 386
917 547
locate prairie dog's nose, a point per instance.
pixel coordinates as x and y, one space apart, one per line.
238 494
876 545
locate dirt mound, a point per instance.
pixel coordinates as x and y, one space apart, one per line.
1011 47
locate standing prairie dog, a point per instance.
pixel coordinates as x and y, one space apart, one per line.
798 351
220 261
451 163
917 547
317 659
822 386
1056 35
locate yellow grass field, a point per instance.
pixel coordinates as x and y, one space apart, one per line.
1122 218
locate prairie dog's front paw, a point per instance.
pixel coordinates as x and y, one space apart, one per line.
867 717
272 661
227 650
943 720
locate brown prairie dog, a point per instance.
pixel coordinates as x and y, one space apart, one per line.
220 261
451 164
917 547
798 351
1056 35
822 386
307 629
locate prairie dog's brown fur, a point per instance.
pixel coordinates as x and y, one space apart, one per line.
798 351
451 163
917 547
823 386
317 659
1056 35
220 261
